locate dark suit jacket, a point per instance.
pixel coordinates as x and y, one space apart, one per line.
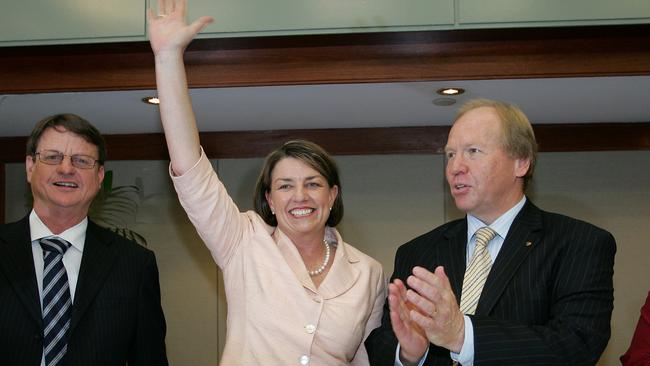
116 315
547 300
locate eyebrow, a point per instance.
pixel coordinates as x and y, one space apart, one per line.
61 152
312 177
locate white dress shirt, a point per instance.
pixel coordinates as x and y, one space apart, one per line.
75 235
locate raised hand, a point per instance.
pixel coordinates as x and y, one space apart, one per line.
437 311
168 30
413 341
169 35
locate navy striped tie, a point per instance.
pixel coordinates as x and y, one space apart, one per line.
57 303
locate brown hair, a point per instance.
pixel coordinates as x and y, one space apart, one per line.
72 123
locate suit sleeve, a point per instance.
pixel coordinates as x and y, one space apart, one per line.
212 211
374 320
578 294
382 343
149 345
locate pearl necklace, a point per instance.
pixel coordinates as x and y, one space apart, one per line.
326 260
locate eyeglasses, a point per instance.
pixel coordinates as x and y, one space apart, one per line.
53 157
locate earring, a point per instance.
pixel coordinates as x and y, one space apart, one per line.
272 212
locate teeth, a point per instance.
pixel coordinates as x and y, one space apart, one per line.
302 211
458 186
66 184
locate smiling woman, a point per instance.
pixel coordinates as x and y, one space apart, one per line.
286 258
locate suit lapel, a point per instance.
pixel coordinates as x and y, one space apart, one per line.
17 262
522 237
97 260
455 258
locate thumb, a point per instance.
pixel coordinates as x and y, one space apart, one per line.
201 23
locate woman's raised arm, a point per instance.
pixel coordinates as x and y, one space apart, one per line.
169 35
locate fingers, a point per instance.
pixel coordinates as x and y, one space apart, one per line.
435 309
411 337
396 300
167 7
421 304
162 7
399 316
424 321
424 273
440 273
424 283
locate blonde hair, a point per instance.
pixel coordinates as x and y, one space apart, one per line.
518 138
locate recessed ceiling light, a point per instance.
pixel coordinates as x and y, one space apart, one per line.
151 100
450 91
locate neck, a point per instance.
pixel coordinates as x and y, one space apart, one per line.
508 204
58 221
309 243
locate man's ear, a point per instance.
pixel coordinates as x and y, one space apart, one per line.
101 172
521 167
29 167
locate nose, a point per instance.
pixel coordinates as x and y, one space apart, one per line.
456 165
299 194
66 166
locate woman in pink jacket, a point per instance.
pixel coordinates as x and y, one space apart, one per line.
297 293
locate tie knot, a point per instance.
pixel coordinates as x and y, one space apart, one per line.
55 245
484 235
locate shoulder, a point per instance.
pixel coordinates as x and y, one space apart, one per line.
567 224
15 231
570 232
119 242
356 255
434 236
13 226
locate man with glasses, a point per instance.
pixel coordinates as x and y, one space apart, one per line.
71 292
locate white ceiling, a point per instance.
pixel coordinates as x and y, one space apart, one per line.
560 100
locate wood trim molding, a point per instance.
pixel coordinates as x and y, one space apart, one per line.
342 58
354 141
360 141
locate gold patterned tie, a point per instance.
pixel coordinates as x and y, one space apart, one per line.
477 271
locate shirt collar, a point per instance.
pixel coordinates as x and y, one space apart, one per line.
501 225
75 235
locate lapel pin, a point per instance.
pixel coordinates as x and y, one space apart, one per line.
529 243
